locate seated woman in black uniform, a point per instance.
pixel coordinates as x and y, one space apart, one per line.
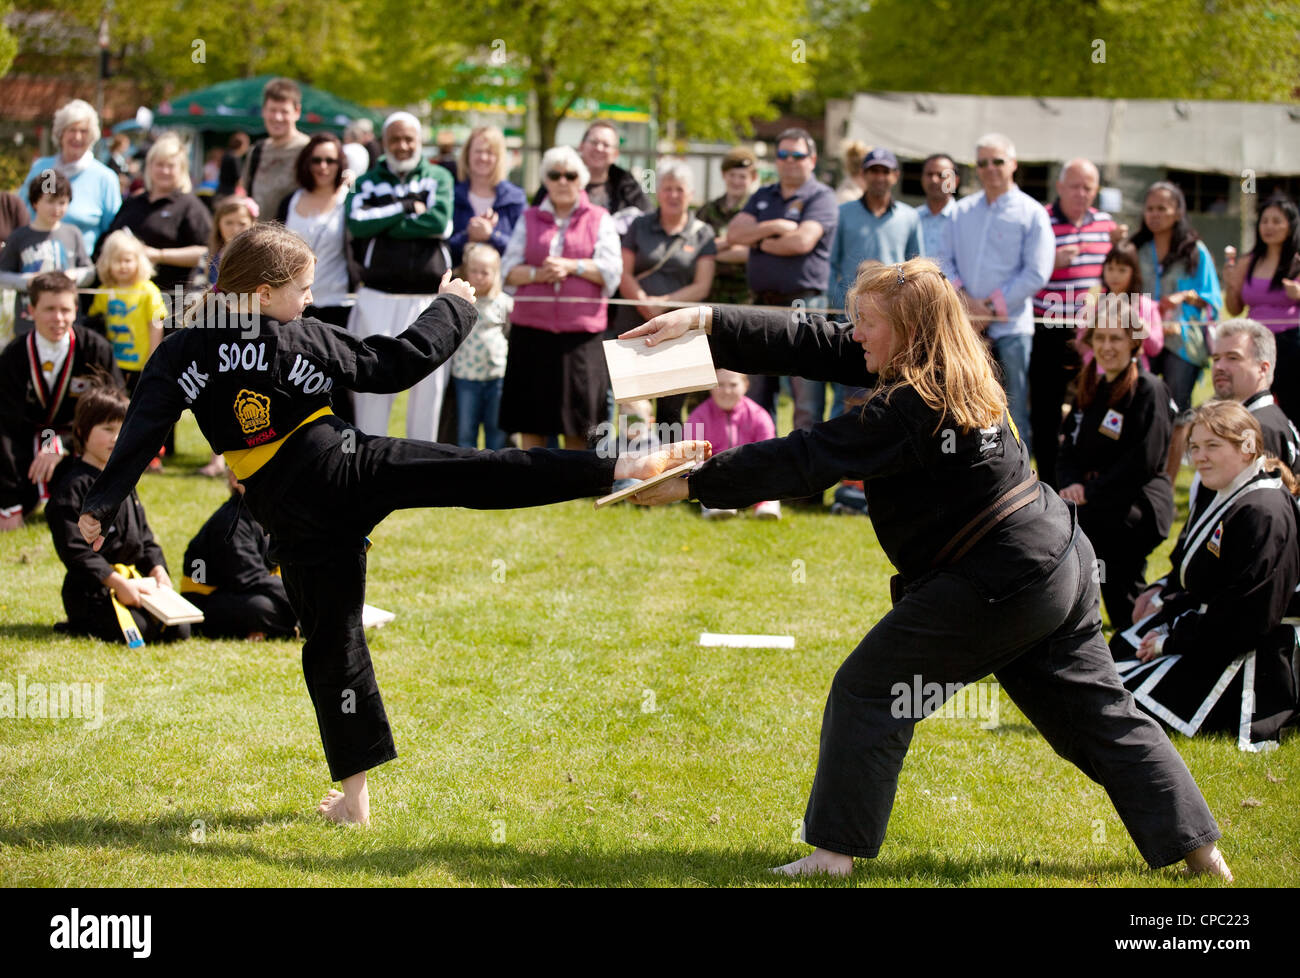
1210 652
1112 463
993 575
100 599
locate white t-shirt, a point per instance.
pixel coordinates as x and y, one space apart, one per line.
324 235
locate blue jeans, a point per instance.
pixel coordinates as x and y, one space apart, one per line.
477 402
1012 355
1180 377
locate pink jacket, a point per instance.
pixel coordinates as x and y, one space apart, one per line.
579 242
745 423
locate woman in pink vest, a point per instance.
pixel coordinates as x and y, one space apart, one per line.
565 249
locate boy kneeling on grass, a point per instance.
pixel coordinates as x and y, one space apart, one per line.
102 589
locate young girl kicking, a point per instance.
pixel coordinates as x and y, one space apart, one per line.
260 392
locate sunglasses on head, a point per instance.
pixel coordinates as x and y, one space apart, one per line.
557 175
791 154
996 161
324 161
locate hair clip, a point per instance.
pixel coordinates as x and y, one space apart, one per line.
901 279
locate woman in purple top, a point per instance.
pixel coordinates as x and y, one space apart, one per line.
1266 284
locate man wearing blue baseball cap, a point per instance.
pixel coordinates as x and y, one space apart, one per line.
875 227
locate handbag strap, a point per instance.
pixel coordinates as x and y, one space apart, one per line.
672 249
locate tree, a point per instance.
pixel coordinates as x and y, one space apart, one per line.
1181 49
707 66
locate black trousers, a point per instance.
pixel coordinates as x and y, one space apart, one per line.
237 614
318 521
1122 548
1053 362
1045 648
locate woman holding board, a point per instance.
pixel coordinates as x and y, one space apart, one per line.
994 575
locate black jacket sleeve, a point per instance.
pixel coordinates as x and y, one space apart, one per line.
155 406
858 445
785 342
388 364
61 513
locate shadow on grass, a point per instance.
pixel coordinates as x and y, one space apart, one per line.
558 865
32 632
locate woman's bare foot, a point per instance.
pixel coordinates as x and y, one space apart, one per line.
1207 861
816 862
351 806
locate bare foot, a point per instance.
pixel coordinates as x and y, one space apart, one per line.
1207 861
819 861
351 806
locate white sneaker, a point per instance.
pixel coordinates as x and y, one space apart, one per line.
769 509
717 514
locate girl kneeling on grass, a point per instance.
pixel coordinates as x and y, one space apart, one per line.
260 389
994 575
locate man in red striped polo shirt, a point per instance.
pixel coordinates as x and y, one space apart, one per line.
1083 236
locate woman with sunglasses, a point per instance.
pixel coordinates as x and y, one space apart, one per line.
994 575
564 261
315 211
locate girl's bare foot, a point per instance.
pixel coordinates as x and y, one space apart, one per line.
818 861
351 806
1207 861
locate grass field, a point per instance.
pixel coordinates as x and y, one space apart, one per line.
557 724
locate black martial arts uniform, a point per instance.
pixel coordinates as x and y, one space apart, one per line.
1119 454
230 577
319 486
1228 663
1280 437
127 540
1018 602
30 407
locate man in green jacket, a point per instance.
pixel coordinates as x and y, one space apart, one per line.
400 216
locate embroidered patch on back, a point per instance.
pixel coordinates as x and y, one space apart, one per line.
253 411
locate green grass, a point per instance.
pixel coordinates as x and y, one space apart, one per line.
520 707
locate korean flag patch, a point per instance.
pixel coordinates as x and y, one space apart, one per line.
1216 539
1112 424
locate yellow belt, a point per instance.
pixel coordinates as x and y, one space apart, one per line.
245 461
191 586
125 621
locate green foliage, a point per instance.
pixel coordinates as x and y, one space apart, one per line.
1183 49
8 42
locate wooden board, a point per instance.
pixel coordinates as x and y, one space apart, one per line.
673 473
676 367
170 608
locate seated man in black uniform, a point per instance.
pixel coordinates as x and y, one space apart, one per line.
42 375
229 577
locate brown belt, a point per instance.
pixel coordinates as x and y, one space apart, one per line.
1018 497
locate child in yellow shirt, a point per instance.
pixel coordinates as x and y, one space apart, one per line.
132 306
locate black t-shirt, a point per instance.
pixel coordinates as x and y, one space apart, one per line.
174 220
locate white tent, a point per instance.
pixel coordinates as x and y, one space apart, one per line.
1221 137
